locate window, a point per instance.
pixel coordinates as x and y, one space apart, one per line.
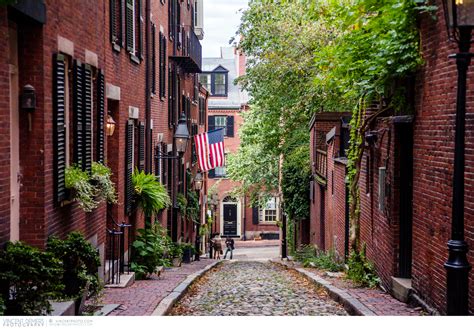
220 84
205 79
133 21
269 213
220 122
220 171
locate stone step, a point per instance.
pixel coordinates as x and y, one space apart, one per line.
401 288
126 279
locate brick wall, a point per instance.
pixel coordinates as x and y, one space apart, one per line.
433 164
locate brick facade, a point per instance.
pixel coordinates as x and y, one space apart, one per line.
82 31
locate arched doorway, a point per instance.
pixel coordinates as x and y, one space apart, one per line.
230 217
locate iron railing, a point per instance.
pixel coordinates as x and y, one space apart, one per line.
188 50
116 249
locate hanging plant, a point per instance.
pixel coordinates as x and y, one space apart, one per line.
150 195
101 176
78 181
182 203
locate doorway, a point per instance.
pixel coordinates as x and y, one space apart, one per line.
405 134
14 138
230 219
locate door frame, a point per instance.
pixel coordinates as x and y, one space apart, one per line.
239 216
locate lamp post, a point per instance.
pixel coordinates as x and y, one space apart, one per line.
459 16
198 181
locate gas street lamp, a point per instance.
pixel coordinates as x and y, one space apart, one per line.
459 16
198 181
181 136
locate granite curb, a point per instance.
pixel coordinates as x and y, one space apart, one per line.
351 304
168 302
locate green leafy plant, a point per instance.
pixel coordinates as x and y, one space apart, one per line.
150 195
81 263
182 203
29 278
105 188
312 257
84 192
2 306
176 251
361 270
150 250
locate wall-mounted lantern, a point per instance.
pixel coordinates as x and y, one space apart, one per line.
181 136
28 101
110 125
198 181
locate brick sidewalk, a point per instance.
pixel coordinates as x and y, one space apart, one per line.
376 300
142 297
256 243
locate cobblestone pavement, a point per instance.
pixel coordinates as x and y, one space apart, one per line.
255 288
143 296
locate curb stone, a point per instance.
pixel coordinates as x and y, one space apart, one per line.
170 300
351 304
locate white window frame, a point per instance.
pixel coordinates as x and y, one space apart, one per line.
263 211
217 126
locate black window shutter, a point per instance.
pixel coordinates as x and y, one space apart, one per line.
153 58
129 167
59 128
100 145
170 97
255 215
211 174
141 149
78 113
230 126
87 123
164 171
211 123
162 65
130 35
116 22
138 27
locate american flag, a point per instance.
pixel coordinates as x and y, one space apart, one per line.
210 149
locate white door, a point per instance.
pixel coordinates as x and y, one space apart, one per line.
14 139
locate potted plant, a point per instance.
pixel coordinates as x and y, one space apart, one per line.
79 184
176 254
188 251
101 179
150 195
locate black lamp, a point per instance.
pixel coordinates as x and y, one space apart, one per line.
459 16
198 181
181 136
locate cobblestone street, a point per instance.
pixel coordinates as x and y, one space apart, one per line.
255 288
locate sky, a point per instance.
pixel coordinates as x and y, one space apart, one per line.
221 20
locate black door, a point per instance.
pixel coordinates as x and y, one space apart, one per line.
405 134
230 219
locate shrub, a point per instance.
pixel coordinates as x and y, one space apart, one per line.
28 279
312 257
150 195
105 189
361 270
81 262
2 306
176 251
84 192
150 250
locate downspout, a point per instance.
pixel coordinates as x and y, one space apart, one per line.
148 137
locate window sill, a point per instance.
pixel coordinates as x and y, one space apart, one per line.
134 59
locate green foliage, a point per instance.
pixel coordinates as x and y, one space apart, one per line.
2 306
150 195
361 270
28 279
101 176
80 262
84 192
312 257
176 251
193 210
150 250
182 203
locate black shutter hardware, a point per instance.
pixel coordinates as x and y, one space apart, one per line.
230 126
78 113
100 145
59 128
129 167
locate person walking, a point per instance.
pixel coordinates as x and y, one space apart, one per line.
217 246
229 243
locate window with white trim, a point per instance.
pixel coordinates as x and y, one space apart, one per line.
269 214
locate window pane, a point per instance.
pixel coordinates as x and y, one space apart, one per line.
221 122
219 83
220 171
205 80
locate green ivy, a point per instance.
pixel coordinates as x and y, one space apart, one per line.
361 270
83 190
105 188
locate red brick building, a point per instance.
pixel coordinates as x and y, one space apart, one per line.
234 217
406 181
135 61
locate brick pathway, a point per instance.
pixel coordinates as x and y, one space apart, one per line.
256 243
376 300
142 297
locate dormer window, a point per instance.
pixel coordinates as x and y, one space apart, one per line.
216 82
